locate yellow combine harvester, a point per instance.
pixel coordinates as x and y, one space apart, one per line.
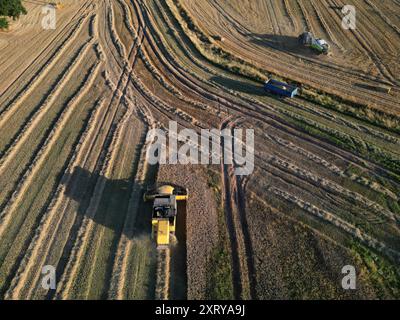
165 211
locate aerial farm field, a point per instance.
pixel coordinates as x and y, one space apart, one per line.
77 103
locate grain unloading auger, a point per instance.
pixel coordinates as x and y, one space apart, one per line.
164 211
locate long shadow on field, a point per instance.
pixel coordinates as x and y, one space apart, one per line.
112 209
239 86
116 195
113 202
285 43
111 212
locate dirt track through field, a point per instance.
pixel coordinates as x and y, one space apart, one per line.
243 269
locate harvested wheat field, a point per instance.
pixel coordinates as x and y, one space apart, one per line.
78 104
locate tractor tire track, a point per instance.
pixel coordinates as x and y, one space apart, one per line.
240 272
68 266
246 106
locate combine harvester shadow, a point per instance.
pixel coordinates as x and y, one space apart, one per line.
80 189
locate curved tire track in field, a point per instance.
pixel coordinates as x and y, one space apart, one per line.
364 43
243 270
246 106
163 274
69 266
346 155
341 224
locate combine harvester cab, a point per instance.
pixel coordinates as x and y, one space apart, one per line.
164 212
280 88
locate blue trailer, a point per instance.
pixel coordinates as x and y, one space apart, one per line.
280 88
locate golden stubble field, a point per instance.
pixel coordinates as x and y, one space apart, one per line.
76 104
